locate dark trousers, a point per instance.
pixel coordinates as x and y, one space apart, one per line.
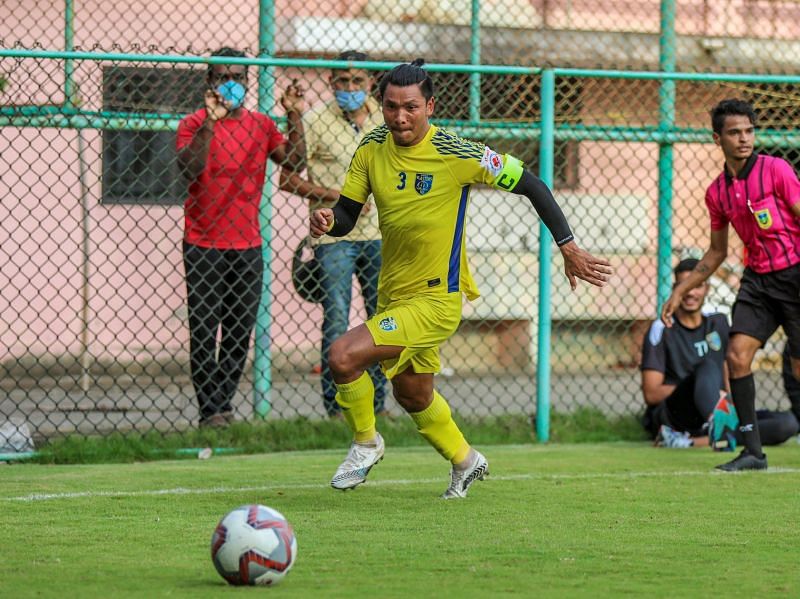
223 289
693 400
791 384
774 427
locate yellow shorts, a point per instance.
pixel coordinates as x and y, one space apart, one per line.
419 324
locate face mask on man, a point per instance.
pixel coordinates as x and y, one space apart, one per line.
233 93
350 101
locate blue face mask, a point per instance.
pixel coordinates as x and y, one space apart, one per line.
350 101
233 93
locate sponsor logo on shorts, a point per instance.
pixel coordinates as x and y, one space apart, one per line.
423 183
388 324
492 161
763 218
714 341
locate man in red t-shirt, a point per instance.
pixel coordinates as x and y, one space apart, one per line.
223 150
760 196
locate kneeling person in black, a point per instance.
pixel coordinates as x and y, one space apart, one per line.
684 374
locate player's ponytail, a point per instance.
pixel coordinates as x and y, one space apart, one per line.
404 75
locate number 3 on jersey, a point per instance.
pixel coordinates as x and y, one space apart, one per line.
402 184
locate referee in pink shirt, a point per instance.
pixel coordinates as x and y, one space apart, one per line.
760 196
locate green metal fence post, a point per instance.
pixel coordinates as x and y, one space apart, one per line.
475 58
71 100
546 150
262 363
666 121
69 46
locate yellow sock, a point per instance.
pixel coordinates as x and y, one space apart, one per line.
357 399
436 424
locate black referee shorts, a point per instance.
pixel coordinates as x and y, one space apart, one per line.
765 302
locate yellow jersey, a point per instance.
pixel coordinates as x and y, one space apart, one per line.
422 195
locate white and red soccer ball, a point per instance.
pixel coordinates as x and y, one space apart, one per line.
253 545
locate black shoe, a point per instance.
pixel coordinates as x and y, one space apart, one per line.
745 461
214 421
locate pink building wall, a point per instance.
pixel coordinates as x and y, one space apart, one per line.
135 285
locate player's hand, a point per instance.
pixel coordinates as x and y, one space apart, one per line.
293 98
321 221
580 264
216 108
669 307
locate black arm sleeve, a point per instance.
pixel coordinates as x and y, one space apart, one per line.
345 215
545 205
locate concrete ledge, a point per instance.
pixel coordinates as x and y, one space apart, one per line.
538 47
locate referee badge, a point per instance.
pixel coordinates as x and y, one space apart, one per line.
763 218
423 183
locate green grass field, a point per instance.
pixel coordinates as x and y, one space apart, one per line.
551 521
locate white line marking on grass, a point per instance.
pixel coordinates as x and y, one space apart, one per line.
380 483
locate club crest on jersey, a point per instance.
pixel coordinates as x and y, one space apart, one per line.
763 218
492 161
714 341
388 324
423 183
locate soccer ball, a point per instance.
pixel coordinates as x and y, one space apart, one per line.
253 544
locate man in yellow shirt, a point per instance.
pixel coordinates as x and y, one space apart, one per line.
420 176
332 131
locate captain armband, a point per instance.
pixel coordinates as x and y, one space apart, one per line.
510 174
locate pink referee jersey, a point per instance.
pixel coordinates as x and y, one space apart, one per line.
758 205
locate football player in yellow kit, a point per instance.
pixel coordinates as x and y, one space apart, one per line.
420 176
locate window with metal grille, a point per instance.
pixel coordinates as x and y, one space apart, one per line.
776 107
140 166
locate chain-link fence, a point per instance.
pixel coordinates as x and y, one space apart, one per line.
94 327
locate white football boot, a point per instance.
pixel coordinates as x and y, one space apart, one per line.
461 480
359 461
